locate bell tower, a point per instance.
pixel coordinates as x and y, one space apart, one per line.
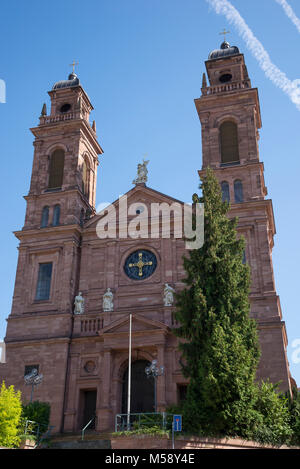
61 198
229 113
63 181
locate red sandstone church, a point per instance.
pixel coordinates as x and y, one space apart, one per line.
74 291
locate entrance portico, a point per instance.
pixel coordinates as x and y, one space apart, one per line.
148 339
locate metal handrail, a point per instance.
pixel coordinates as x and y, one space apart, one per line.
40 436
44 436
87 425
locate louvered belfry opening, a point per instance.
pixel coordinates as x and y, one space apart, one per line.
229 142
56 170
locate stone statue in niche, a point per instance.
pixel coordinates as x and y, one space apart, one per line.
108 297
79 304
168 295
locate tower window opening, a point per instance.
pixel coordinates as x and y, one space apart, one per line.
56 215
229 142
56 169
86 179
225 191
225 77
65 108
238 192
45 217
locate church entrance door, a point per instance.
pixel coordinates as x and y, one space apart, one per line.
89 408
142 389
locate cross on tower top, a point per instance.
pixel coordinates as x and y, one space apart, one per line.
224 32
73 65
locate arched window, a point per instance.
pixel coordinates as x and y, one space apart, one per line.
225 191
56 169
45 217
85 178
229 142
56 215
238 192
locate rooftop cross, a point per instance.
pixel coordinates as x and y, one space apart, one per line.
73 65
224 32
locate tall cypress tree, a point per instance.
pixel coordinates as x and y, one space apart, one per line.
220 349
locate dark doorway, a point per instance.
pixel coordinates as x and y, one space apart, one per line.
142 389
89 408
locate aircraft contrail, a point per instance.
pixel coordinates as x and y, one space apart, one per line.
279 78
290 13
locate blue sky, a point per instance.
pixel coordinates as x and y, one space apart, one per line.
141 63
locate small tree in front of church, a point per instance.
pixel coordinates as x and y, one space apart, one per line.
10 416
219 343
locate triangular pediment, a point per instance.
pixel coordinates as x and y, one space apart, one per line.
140 194
139 324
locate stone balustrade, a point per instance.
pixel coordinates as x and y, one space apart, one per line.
91 326
88 325
225 87
59 117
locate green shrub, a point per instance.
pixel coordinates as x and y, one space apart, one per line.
294 409
10 416
37 411
155 430
275 422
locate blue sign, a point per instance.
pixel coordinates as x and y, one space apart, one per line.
177 423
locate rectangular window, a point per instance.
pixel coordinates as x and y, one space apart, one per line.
181 391
44 282
28 369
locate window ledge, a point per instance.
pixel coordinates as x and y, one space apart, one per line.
232 163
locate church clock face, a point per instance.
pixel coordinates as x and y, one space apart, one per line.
140 264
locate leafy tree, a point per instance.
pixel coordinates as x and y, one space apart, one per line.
219 340
220 351
10 416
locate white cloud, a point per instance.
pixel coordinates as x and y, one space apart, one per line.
289 13
279 78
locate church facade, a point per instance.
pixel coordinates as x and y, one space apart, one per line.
75 290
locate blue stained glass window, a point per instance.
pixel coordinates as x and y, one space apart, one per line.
44 282
140 264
